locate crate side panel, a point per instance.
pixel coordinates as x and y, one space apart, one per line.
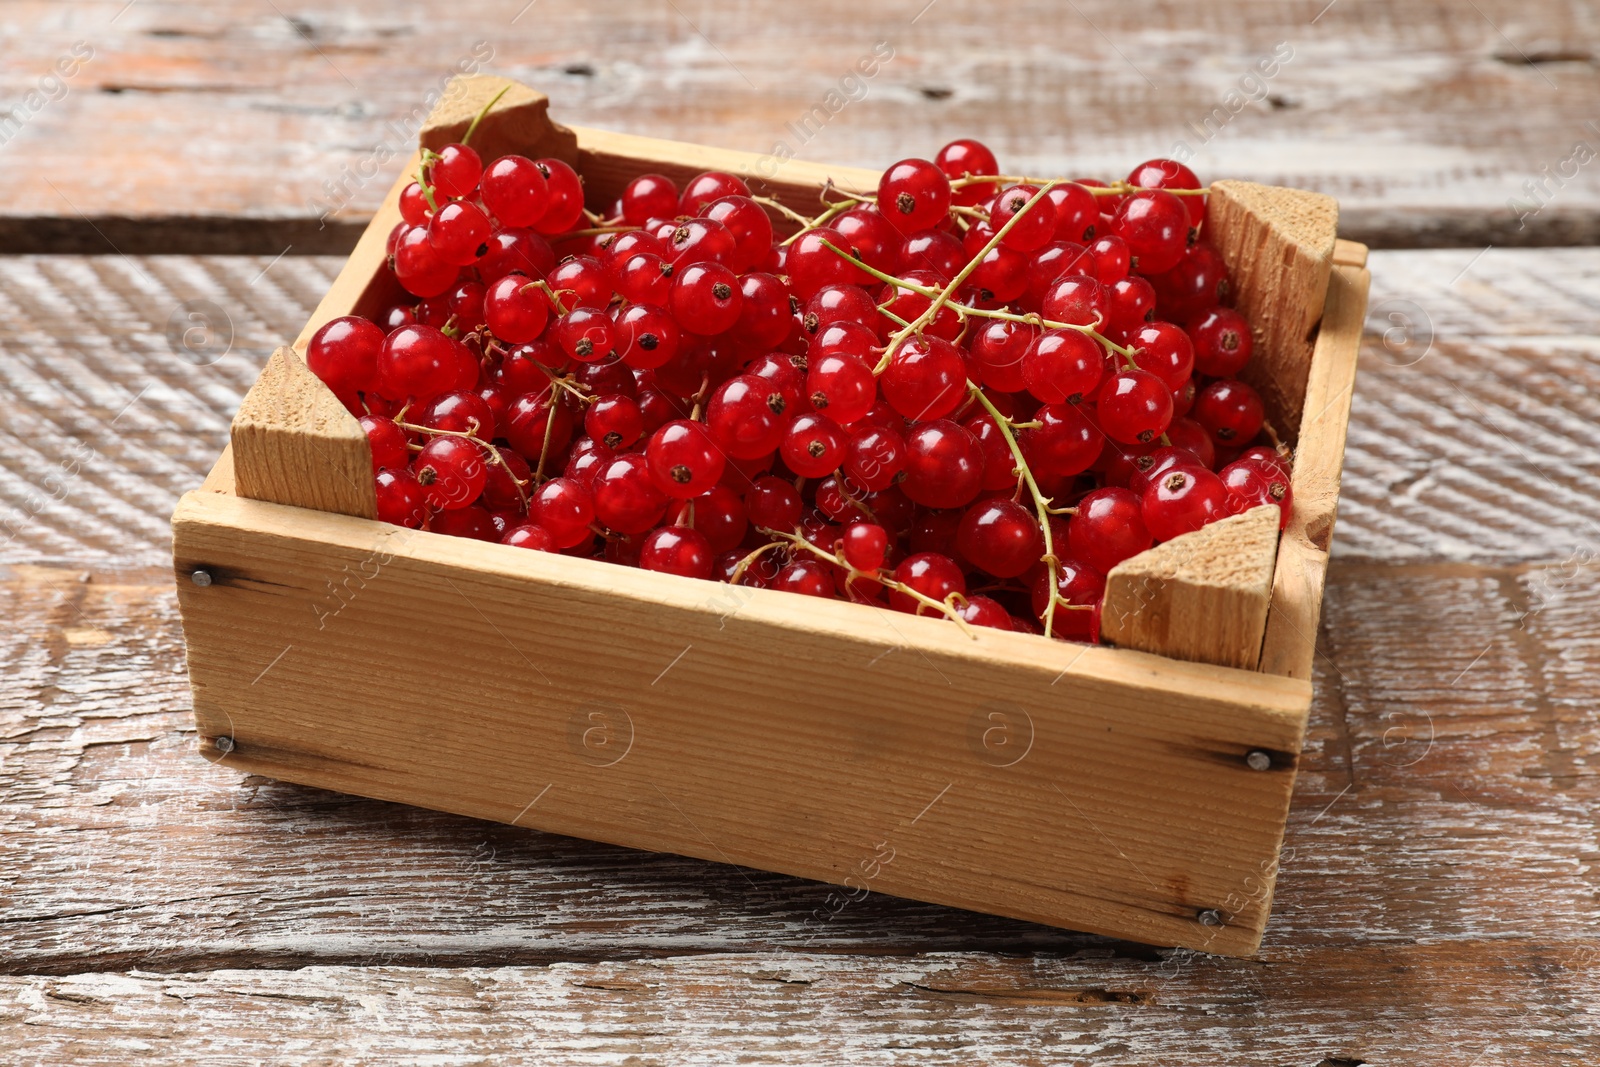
1084 787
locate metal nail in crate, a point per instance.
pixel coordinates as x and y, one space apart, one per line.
1130 791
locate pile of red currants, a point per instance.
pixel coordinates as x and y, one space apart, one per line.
970 395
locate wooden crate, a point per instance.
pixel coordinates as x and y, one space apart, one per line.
1098 788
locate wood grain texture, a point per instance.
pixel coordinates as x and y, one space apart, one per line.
668 749
1278 244
795 1008
1436 898
293 442
1201 597
1425 120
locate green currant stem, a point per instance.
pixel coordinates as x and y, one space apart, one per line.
810 224
783 209
744 564
1040 502
1118 188
555 298
595 231
466 138
549 425
932 310
427 190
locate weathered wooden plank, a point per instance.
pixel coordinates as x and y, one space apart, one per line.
1424 119
1532 1002
1471 437
1442 794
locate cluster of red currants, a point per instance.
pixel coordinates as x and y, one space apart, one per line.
972 394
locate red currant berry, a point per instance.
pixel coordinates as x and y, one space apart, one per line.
344 353
842 386
459 233
765 319
934 251
868 234
747 417
1000 537
925 379
516 251
1170 174
421 362
984 611
1199 281
514 310
1064 444
1165 351
944 465
387 442
913 195
998 351
647 335
1181 501
1077 212
534 428
933 575
1075 298
459 412
565 190
626 498
649 196
774 504
864 545
401 500
1108 528
1130 303
684 460
515 192
614 420
1156 226
874 455
1266 458
1230 411
807 576
748 223
565 507
1222 342
1036 227
529 536
645 278
451 471
677 550
965 157
1063 366
419 268
1081 588
1111 258
711 185
1252 484
701 241
812 264
813 446
1134 407
456 171
413 207
586 334
706 298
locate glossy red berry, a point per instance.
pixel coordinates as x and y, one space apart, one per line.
813 446
626 498
565 507
864 545
841 386
913 195
1000 537
1170 174
1222 342
999 349
967 157
1155 224
706 298
514 190
684 461
1230 411
747 417
1253 484
614 420
874 455
1081 589
649 196
463 411
677 550
1064 444
587 335
1135 407
565 190
1075 298
456 171
1077 212
527 535
1063 366
419 268
1164 350
420 362
401 500
925 379
707 187
933 575
1108 528
809 577
344 353
387 442
773 504
1181 501
1036 227
749 225
515 310
459 233
944 465
451 471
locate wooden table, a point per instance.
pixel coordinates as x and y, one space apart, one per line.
1438 898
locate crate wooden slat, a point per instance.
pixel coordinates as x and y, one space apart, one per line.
1102 789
